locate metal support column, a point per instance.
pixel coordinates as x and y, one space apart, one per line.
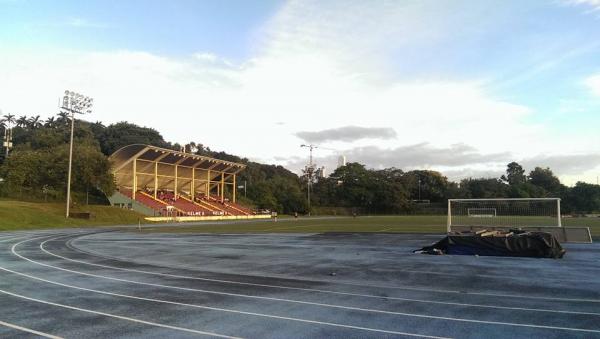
234 189
558 213
192 183
155 180
176 183
134 183
449 221
207 183
222 187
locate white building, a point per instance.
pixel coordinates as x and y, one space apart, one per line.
341 161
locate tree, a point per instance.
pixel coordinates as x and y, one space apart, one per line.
45 166
431 184
190 147
585 198
484 188
50 122
22 121
34 122
544 178
122 134
355 188
515 174
62 118
390 195
9 119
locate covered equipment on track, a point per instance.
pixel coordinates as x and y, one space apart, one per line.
515 243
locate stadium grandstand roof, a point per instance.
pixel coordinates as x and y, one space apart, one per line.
127 154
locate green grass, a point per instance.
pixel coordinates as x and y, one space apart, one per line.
412 224
19 215
394 224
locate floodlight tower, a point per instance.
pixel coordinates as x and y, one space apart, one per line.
74 103
309 171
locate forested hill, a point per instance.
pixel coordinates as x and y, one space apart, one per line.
37 166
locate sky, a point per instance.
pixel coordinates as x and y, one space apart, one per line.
461 87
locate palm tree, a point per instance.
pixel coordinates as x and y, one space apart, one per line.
2 124
34 122
50 122
9 119
63 118
22 121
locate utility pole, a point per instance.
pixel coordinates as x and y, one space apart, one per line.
74 103
309 171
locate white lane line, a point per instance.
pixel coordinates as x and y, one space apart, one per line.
113 315
28 330
206 307
385 229
378 311
13 238
41 246
415 289
279 228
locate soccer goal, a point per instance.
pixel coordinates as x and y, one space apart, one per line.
530 212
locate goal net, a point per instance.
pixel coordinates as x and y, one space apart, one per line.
481 212
531 212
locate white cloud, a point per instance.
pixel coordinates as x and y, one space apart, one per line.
81 22
594 4
593 83
311 73
347 134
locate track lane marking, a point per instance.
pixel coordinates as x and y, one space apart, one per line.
28 330
205 307
41 246
113 315
287 228
428 290
97 312
13 238
297 319
385 229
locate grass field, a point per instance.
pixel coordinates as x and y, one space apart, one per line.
394 224
410 224
19 215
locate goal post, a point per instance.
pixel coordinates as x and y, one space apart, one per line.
504 212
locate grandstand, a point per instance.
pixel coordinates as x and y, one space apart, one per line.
166 185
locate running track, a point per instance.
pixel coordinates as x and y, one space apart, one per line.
100 284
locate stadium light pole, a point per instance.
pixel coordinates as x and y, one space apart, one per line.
74 103
309 171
